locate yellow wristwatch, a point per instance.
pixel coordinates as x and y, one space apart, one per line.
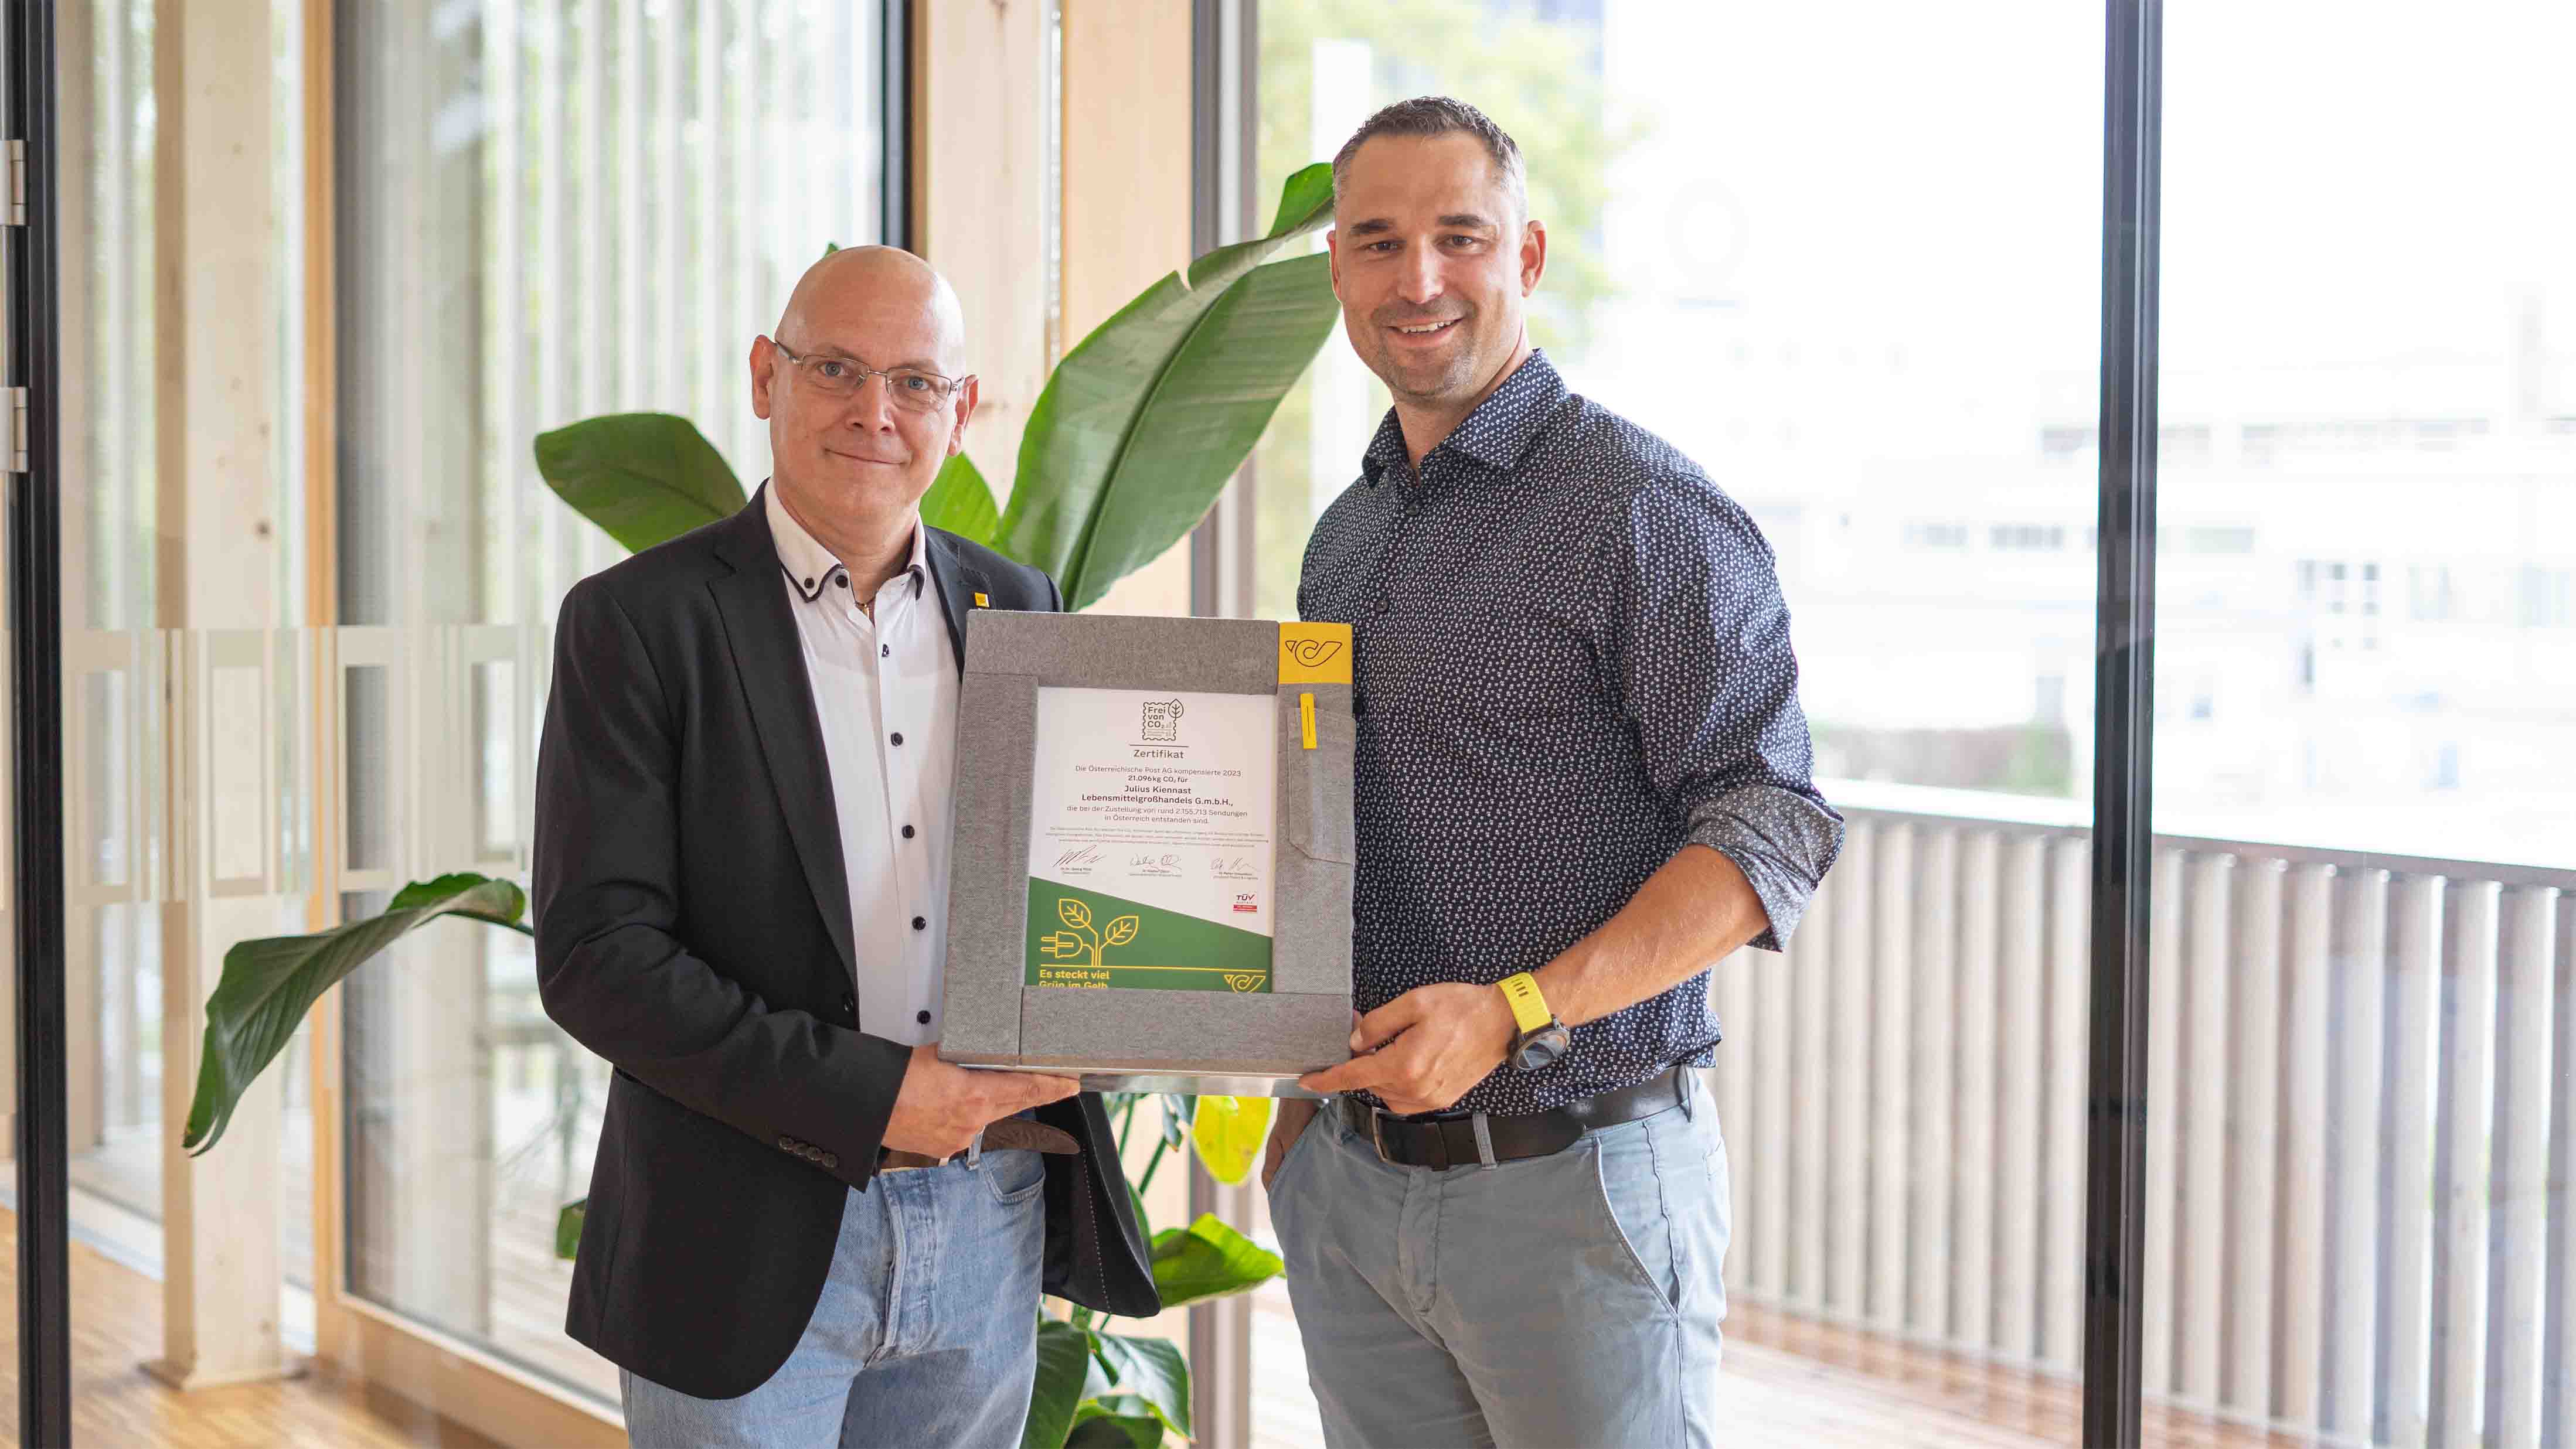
1543 1038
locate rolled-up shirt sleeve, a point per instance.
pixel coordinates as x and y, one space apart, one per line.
1689 621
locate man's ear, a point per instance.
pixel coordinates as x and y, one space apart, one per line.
1333 259
969 391
1533 255
764 372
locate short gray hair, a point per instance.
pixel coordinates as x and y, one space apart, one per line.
1440 116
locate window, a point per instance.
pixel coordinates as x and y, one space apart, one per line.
2548 597
1914 423
2428 592
549 213
2026 538
2373 905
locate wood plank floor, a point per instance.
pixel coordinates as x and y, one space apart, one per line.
1787 1382
116 1325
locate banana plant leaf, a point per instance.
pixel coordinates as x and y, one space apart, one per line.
268 984
1208 1259
646 478
961 501
1067 1375
1097 1427
1144 421
1150 1369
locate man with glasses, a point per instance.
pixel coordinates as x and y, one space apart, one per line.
804 1227
1581 779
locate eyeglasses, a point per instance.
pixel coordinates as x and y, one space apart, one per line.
910 387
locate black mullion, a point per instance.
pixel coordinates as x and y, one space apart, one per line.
2124 704
894 81
36 659
1207 228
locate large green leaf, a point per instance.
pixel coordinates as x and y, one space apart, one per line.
1153 1370
646 478
961 501
1145 420
1066 1377
1098 1427
1208 1259
568 1227
268 985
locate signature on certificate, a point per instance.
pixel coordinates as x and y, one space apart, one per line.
1229 867
1080 859
1154 865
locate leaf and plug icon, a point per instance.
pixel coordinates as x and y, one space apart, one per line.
1079 937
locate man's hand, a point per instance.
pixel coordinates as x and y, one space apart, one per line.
1429 1046
1296 1114
942 1106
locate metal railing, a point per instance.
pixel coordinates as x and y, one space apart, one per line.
2361 1120
2361 1114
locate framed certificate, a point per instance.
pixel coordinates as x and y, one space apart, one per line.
1151 877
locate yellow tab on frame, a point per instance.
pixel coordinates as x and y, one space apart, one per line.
1314 653
982 602
1306 718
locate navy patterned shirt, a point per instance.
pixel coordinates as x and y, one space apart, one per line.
1571 660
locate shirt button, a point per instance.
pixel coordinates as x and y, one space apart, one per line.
809 583
885 651
920 924
922 1016
907 832
842 579
898 737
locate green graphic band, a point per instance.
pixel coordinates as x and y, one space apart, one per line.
1085 939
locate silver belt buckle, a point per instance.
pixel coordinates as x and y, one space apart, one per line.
1377 1135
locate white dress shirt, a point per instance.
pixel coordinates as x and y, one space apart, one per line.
885 691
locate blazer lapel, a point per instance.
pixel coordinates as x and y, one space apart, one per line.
769 658
957 585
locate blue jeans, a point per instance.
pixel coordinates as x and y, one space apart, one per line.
926 1332
1554 1302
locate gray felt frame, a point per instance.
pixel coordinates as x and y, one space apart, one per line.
1254 1041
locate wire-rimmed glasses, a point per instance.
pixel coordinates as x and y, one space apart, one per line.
836 376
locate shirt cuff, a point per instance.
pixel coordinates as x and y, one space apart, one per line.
1783 842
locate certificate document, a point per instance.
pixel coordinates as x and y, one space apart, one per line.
1152 824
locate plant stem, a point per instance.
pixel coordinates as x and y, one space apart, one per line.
1161 1145
1126 1119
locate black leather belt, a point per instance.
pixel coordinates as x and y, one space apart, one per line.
1450 1140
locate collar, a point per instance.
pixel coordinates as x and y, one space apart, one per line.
1497 432
810 567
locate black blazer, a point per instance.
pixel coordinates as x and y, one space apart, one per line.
693 927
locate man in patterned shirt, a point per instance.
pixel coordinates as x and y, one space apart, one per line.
1582 778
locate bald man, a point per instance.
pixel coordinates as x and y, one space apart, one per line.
804 1228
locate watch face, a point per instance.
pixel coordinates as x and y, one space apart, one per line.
1541 1047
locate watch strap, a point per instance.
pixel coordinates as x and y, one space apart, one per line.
1529 1008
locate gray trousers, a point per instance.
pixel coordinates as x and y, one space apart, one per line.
1564 1302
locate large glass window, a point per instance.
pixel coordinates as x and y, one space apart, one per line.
2360 1111
1849 263
547 212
